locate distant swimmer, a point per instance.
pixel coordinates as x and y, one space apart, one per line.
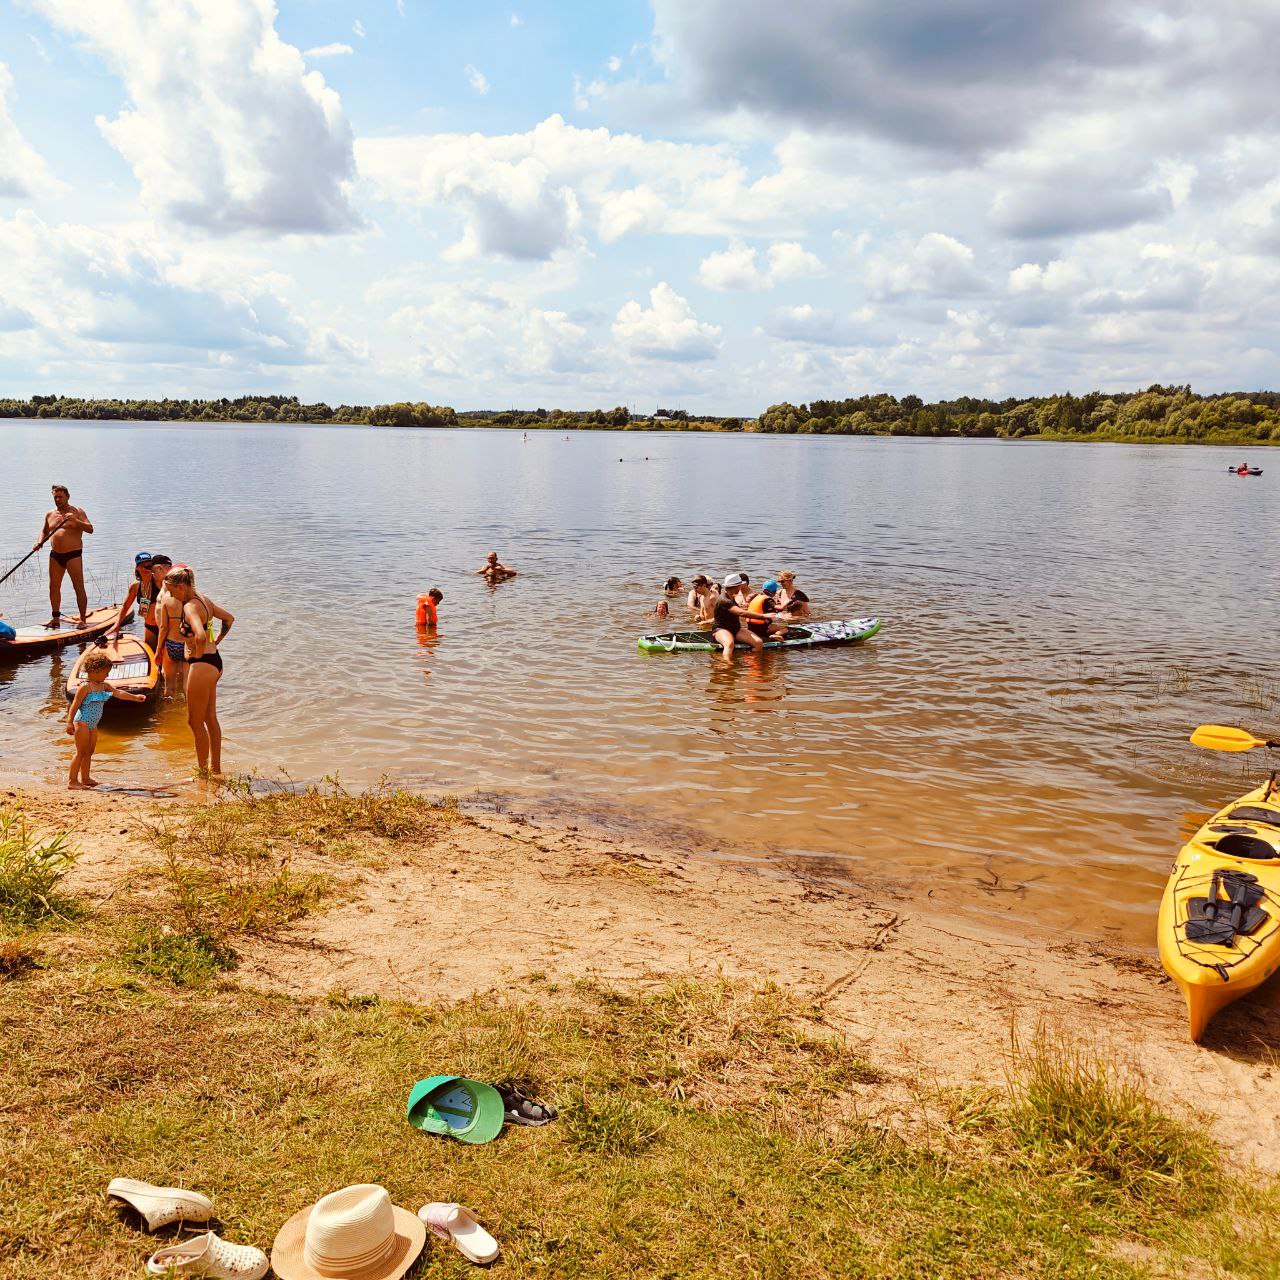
662 609
673 587
428 615
702 599
64 529
494 570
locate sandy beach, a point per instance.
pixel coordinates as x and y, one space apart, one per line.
500 902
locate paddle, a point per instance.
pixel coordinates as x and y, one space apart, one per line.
34 549
1221 737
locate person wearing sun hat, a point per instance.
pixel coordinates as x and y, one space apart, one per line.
352 1234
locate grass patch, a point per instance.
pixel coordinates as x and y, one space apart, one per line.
688 1144
230 869
185 959
31 868
1093 1124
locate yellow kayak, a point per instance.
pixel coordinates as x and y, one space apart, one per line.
1219 929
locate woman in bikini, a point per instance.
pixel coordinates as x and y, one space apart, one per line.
148 578
204 668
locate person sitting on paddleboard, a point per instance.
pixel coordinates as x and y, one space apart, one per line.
493 570
760 613
144 591
64 529
728 619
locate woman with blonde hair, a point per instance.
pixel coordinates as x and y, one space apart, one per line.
204 664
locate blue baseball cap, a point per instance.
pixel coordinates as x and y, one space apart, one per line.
770 587
141 557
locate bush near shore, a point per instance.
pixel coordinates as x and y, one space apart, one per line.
1158 415
713 1130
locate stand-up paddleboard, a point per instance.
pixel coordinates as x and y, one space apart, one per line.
27 640
810 636
1219 928
133 669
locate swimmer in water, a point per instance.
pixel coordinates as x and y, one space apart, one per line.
493 570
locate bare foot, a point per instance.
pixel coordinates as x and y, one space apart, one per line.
55 621
93 782
76 786
84 622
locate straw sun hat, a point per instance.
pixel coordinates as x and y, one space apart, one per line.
352 1234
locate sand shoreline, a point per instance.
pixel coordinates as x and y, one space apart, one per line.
925 994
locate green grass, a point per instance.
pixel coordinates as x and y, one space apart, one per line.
707 1130
31 868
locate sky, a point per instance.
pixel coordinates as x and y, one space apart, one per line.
713 205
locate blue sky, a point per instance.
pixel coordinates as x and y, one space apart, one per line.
715 204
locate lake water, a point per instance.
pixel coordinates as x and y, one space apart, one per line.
1056 619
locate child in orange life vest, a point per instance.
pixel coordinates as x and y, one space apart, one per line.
427 616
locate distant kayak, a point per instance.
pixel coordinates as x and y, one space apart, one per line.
1219 928
133 669
1244 471
29 640
812 635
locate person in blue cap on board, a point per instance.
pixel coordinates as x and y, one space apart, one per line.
761 612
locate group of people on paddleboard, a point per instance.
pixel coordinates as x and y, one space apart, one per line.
737 612
178 625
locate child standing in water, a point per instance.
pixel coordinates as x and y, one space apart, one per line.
86 712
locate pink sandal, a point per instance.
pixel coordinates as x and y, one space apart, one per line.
453 1223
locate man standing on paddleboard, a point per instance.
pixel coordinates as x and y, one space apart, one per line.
64 528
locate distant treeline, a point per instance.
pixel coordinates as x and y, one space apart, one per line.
1172 414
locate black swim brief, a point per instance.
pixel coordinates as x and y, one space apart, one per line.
64 558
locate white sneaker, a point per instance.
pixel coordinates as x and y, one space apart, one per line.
159 1206
209 1255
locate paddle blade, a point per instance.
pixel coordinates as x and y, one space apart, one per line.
1221 737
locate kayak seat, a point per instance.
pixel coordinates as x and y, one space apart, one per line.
1240 845
1252 813
1219 921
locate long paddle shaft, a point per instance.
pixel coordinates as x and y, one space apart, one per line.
34 549
1221 737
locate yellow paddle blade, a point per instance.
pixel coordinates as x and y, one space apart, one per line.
1222 737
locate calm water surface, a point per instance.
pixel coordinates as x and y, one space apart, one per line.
1057 618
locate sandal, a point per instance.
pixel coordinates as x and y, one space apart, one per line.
210 1256
519 1108
454 1223
159 1206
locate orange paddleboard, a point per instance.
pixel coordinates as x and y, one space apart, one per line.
133 668
42 639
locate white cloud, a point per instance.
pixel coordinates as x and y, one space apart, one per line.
614 64
791 261
936 266
667 330
125 295
517 20
328 51
23 172
478 81
732 268
626 183
196 138
737 268
358 28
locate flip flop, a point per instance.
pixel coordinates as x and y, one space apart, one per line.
519 1108
453 1223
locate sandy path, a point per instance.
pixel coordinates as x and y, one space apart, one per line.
925 995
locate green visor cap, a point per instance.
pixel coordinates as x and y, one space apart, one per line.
456 1107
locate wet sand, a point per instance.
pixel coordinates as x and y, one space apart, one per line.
928 996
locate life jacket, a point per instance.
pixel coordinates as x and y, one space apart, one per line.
426 615
758 605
